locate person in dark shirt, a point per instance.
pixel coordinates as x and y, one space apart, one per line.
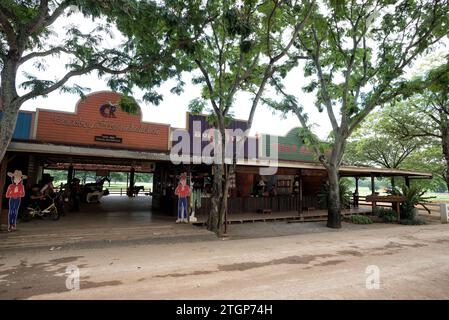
35 196
75 194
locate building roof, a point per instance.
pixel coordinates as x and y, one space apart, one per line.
346 171
97 152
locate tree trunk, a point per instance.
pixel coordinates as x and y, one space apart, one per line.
7 125
220 187
214 221
445 145
333 166
9 102
334 209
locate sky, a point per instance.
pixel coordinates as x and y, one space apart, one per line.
172 110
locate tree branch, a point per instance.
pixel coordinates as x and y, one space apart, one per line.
38 21
42 54
209 86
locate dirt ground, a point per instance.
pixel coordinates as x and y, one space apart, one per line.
257 261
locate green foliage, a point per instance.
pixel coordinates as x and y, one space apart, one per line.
129 105
425 116
429 159
414 195
359 219
386 214
345 194
376 143
383 140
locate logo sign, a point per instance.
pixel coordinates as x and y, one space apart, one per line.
108 138
107 110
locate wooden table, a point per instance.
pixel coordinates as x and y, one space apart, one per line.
394 200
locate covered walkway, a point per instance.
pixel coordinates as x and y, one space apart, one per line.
314 215
116 219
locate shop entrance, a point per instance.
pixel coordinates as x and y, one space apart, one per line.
108 189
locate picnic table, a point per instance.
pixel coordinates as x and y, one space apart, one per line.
393 199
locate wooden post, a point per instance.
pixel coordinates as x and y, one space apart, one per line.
356 193
407 181
398 210
131 183
373 184
70 174
300 190
127 180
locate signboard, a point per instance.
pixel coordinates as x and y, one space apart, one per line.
108 138
98 120
200 136
289 147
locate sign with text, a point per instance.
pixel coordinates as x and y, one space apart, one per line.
98 120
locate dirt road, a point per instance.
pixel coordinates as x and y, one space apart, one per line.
413 263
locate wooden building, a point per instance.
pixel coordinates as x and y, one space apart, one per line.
99 136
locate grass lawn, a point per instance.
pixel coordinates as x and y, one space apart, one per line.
438 197
364 191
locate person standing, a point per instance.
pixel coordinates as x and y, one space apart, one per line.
182 191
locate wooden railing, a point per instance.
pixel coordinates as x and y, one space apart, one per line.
280 203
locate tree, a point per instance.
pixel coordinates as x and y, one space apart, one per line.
234 46
25 32
428 159
426 114
358 54
375 143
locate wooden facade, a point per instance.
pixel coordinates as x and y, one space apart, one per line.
99 121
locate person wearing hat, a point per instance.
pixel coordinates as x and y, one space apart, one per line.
182 191
15 192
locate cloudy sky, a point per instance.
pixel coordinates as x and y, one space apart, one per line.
173 108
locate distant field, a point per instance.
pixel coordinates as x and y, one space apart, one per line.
439 197
364 191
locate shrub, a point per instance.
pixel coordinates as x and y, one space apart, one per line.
358 219
414 195
385 214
